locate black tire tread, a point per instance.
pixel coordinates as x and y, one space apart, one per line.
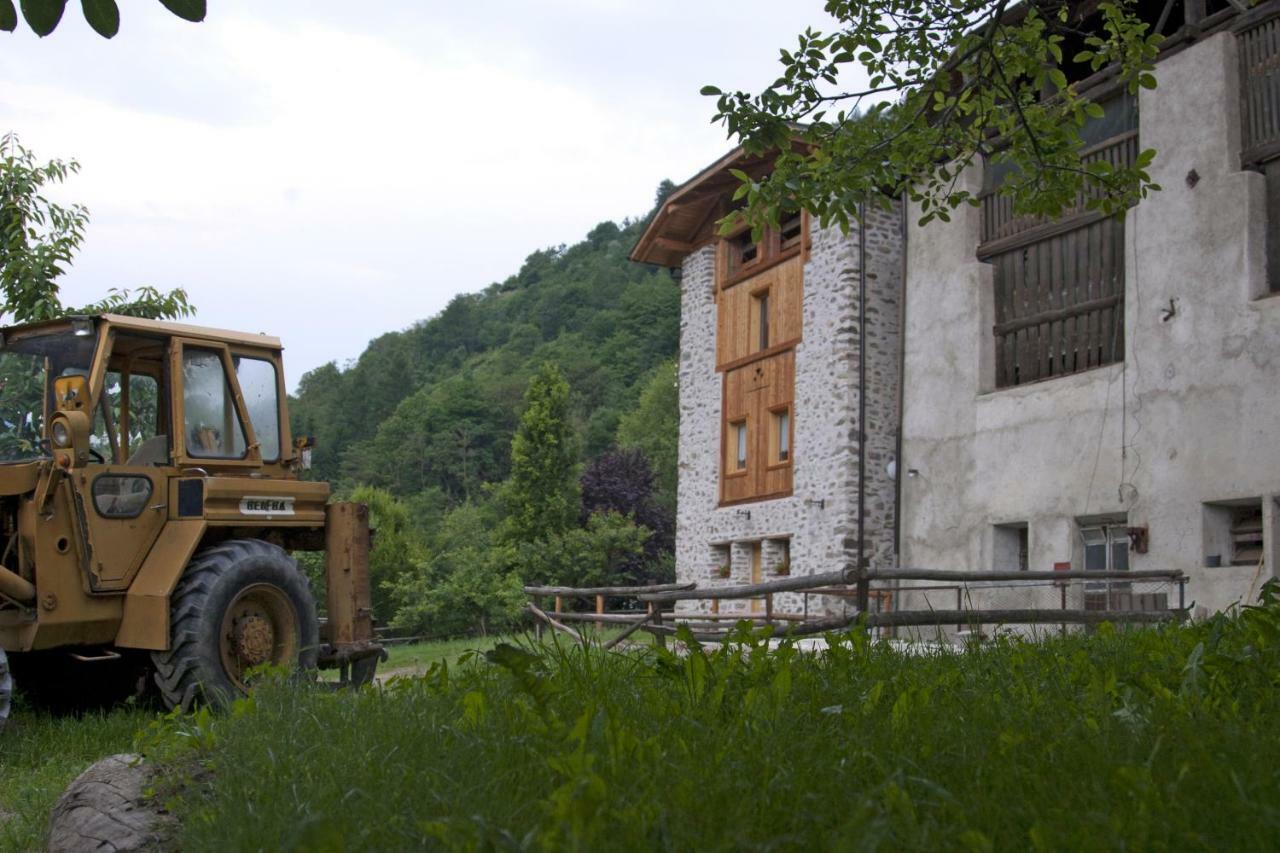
178 674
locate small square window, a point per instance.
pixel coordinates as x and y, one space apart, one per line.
1010 548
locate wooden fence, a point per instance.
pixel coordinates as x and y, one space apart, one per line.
656 614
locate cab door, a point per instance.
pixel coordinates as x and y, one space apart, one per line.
213 428
121 496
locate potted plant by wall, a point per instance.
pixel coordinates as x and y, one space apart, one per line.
782 569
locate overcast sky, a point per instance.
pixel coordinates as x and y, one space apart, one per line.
329 171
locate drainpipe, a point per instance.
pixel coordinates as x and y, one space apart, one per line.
864 586
902 390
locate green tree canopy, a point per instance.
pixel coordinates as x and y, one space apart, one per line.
653 426
903 94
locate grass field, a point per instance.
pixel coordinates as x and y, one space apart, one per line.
41 753
1152 739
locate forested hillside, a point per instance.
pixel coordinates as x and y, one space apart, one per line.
421 426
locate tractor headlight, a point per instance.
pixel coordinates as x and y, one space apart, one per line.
61 434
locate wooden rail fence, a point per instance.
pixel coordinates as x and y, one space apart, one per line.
656 617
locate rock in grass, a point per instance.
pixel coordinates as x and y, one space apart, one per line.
105 809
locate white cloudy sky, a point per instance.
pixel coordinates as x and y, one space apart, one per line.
327 171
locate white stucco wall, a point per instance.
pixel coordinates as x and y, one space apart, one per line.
1189 417
820 517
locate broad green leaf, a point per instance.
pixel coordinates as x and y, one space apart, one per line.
102 15
711 90
43 15
188 10
8 16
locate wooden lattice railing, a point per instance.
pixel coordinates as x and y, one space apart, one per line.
1260 91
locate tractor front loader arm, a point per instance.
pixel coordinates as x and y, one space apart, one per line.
349 643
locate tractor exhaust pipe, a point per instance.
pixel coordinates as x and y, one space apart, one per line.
16 587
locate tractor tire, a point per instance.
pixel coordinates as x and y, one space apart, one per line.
6 689
239 604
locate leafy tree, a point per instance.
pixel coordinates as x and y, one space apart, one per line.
541 497
39 238
396 549
622 482
653 427
468 581
43 16
946 81
594 554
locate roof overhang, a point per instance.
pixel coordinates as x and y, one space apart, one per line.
688 219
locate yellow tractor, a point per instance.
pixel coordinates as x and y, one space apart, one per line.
150 500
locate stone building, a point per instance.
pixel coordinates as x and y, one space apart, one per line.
1105 393
1086 393
770 390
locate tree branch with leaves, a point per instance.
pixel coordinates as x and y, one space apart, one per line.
943 83
43 16
39 238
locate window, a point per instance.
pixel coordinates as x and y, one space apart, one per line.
791 230
780 436
742 256
257 378
211 424
738 444
127 420
1106 548
760 319
743 253
1010 548
1059 285
121 496
1233 533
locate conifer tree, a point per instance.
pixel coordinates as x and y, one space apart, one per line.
542 495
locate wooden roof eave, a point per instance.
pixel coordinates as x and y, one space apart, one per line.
664 242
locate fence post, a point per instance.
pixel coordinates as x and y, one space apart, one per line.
599 609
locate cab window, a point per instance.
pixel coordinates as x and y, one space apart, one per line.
257 378
211 425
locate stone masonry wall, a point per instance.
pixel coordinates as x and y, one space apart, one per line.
820 517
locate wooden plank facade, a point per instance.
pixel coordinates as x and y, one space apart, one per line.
758 325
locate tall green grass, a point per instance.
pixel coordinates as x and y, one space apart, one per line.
39 756
1149 739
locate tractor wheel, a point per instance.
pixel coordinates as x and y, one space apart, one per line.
240 604
6 689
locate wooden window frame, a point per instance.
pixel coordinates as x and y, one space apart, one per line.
769 252
758 319
775 438
732 443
